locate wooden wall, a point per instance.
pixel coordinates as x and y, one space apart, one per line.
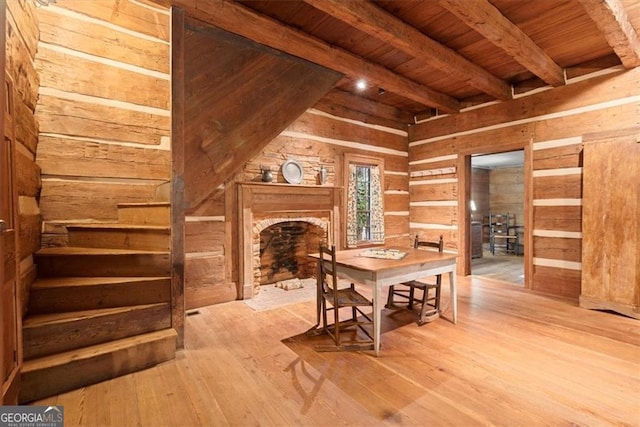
22 39
506 191
433 191
314 139
103 109
550 125
320 139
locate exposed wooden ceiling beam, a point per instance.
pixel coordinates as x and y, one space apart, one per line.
487 20
367 17
238 19
611 18
368 106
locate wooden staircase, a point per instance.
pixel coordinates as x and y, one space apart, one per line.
101 306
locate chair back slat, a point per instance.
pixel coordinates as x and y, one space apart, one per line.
439 245
328 268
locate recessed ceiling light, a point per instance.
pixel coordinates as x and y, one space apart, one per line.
361 84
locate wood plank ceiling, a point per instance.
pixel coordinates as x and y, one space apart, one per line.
426 57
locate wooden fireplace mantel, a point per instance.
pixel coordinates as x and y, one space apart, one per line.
272 198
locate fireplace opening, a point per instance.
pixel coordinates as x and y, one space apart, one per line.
284 249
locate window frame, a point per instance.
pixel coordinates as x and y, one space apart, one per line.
358 160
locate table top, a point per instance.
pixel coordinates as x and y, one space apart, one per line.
353 258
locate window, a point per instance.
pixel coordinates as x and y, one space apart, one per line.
365 213
363 202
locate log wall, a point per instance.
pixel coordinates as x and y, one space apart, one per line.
506 192
21 39
315 139
103 109
550 125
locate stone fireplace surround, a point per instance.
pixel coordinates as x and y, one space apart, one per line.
263 204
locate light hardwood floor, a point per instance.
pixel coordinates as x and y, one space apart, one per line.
504 267
515 358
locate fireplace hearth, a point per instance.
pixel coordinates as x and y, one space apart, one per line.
279 225
284 248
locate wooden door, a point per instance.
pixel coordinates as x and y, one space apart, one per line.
611 224
8 253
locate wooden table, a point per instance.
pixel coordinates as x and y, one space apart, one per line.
382 273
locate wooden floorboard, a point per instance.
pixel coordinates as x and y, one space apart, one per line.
501 266
515 358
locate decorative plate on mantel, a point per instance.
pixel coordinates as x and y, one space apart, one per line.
292 172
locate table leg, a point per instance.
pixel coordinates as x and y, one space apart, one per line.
377 314
454 295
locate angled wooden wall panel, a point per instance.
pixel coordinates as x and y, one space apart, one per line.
239 96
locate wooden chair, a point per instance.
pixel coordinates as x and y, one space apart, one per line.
503 236
429 306
334 299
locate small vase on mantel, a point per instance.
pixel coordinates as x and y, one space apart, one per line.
267 175
322 175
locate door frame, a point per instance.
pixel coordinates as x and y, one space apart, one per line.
464 195
11 385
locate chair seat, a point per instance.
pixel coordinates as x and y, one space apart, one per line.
420 285
349 297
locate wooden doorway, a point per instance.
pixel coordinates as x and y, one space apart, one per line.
464 206
497 208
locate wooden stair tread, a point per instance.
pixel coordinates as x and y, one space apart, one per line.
118 226
95 350
70 250
37 320
62 282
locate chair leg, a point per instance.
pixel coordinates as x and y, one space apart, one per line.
428 313
412 293
390 298
336 322
324 313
